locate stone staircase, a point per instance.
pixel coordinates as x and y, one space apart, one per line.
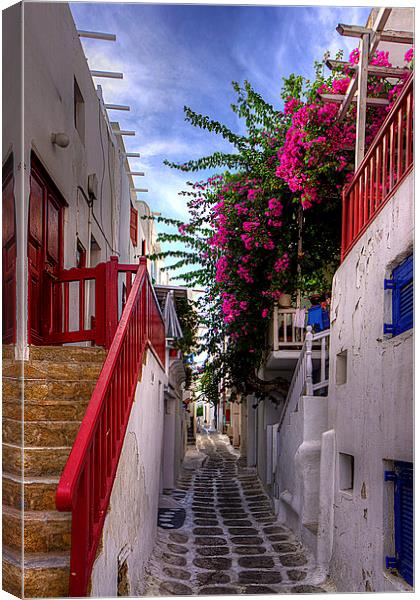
37 438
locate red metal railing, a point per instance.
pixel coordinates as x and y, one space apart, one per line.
86 483
387 162
98 295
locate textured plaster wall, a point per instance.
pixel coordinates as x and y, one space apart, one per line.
51 59
400 19
372 413
130 526
298 467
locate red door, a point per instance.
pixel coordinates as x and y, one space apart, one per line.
45 254
9 255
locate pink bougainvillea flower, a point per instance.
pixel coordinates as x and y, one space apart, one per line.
409 55
354 56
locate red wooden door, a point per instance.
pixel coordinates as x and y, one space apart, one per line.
45 255
9 256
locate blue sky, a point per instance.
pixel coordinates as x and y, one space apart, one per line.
176 55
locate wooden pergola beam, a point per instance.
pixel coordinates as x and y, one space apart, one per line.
362 78
352 30
338 98
386 35
97 35
397 37
395 72
378 26
107 74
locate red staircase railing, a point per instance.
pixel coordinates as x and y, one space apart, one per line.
387 162
86 483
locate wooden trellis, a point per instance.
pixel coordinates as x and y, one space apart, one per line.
357 89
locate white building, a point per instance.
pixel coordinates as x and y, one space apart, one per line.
68 207
337 455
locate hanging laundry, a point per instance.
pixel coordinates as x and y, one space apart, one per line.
299 318
318 318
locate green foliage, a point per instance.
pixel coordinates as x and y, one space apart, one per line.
235 348
186 311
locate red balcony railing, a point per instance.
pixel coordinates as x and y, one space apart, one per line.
86 304
86 483
387 162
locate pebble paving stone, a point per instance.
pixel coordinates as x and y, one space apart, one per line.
179 538
296 575
230 542
176 573
206 522
176 549
207 591
260 577
220 563
256 562
307 589
213 550
210 541
213 577
249 550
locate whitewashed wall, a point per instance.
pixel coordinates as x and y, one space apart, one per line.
130 526
400 19
53 57
372 413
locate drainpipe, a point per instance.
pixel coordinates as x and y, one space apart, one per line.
88 261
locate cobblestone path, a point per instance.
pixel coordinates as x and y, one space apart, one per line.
230 542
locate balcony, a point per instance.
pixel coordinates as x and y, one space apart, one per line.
286 337
387 163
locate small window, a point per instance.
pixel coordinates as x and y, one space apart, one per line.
401 286
341 368
79 112
133 226
402 561
80 255
143 247
346 471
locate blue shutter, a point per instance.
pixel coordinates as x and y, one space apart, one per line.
401 285
403 520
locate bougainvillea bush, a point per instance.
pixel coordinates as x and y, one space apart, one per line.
242 237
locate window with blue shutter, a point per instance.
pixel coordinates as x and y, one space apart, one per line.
402 477
401 286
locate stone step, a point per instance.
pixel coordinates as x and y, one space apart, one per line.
68 353
44 575
48 409
46 369
43 531
40 433
59 353
8 351
31 493
41 390
36 461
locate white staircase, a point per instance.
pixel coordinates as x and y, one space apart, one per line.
295 441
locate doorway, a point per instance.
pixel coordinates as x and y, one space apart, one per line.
45 254
9 254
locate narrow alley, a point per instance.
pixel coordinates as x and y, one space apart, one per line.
230 542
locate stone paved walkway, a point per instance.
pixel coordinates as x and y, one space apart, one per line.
230 542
